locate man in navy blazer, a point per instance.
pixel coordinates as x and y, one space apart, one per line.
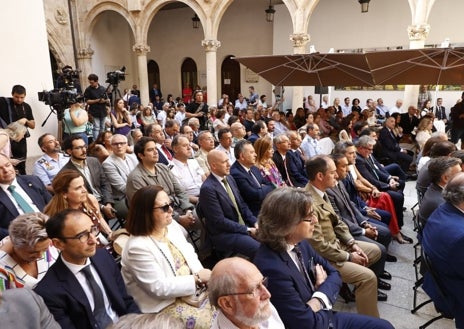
390 146
290 165
443 242
383 181
229 226
31 186
296 161
251 184
65 289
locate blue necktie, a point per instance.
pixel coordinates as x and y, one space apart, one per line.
20 200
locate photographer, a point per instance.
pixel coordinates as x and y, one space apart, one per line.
96 99
14 109
75 121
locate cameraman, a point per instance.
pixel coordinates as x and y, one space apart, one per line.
96 99
15 109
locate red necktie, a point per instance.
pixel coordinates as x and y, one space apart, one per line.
166 152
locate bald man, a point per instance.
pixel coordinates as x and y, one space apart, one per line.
238 290
230 225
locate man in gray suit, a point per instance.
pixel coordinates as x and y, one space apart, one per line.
23 308
117 167
91 170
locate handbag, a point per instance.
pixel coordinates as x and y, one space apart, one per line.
198 298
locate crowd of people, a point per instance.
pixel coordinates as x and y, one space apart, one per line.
291 210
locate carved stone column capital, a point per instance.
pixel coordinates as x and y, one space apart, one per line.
141 49
418 32
85 53
211 45
299 39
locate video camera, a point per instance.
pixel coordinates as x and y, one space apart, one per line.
62 98
117 76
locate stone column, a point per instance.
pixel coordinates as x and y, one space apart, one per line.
300 41
417 35
211 47
84 63
141 51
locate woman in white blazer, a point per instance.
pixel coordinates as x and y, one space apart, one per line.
159 266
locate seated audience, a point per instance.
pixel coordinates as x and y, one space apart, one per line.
51 162
23 308
70 193
442 242
206 143
441 170
27 254
357 261
18 194
159 266
84 288
13 132
251 184
424 131
233 281
264 154
230 225
303 285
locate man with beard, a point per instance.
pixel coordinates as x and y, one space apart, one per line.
233 281
51 162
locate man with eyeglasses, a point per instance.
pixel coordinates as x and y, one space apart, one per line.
91 170
239 291
84 288
117 167
51 162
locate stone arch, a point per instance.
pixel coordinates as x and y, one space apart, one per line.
58 48
91 19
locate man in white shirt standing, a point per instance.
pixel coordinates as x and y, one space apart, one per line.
238 290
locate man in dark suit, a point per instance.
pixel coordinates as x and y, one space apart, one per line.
84 288
258 130
361 228
287 163
383 181
92 172
296 160
251 184
390 146
441 170
230 225
31 190
303 285
409 121
443 242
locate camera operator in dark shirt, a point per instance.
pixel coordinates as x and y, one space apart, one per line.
97 99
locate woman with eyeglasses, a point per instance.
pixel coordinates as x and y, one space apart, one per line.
159 266
70 193
303 285
27 253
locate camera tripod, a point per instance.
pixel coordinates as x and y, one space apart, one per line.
115 93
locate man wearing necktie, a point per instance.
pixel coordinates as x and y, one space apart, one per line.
230 225
84 288
333 240
18 194
251 184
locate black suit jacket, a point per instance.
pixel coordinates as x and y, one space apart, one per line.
408 124
389 146
67 301
289 290
99 181
375 177
34 188
248 187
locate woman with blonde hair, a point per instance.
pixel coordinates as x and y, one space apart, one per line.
424 131
70 193
264 151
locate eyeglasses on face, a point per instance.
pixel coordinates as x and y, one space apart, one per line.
255 292
166 207
83 236
310 218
